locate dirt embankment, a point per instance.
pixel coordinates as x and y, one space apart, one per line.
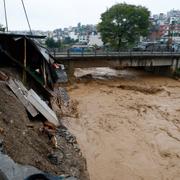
129 128
26 144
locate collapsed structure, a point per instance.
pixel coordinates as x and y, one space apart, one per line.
32 59
32 74
37 69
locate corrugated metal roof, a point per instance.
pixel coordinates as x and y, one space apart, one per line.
21 35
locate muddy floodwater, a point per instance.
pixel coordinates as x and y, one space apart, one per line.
128 127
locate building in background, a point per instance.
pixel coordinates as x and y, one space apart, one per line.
165 27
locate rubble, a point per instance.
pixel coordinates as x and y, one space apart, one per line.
21 92
1 145
49 177
64 96
32 102
3 76
1 130
32 138
56 158
12 170
31 142
63 105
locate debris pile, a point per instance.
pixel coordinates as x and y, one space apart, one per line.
30 130
63 105
142 89
31 134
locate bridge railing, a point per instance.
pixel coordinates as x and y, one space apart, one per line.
114 53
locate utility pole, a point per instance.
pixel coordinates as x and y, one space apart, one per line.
5 15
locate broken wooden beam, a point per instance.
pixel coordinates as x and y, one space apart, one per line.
42 107
21 92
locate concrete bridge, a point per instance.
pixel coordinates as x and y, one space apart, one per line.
151 60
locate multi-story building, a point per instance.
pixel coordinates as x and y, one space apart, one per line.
166 27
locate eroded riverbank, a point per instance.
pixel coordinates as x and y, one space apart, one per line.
129 128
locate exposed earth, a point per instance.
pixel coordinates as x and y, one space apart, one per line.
128 127
26 144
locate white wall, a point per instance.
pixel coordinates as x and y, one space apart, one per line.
95 40
72 35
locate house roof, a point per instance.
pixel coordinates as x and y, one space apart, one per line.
21 35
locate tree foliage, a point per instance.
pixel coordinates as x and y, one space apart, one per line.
68 40
123 24
51 43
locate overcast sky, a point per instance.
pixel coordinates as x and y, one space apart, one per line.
52 14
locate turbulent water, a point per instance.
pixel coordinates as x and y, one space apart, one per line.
128 128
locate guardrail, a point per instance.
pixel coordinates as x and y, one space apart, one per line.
115 54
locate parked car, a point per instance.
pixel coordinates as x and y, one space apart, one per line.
76 49
152 46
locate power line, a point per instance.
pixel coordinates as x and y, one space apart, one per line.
26 16
5 15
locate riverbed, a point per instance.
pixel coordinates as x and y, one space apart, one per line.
128 124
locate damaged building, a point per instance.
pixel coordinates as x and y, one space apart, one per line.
33 61
34 144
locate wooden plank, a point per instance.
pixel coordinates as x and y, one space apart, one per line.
21 85
42 107
22 96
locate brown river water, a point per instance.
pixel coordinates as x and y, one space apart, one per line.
128 127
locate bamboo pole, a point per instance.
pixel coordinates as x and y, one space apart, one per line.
25 62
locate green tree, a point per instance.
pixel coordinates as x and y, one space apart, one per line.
51 43
68 40
123 24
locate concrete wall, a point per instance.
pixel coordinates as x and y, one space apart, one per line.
120 62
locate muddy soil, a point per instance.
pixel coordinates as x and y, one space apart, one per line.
128 128
26 145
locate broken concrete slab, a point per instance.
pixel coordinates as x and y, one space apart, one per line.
63 95
42 107
32 102
61 76
21 92
13 170
9 170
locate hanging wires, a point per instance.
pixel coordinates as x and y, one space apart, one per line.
6 19
5 13
26 16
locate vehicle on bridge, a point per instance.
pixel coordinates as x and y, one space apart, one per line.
151 46
81 48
